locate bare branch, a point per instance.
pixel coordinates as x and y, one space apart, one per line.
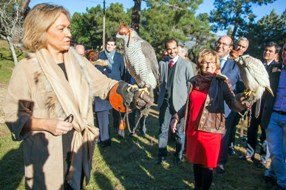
11 18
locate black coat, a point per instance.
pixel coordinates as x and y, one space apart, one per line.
269 100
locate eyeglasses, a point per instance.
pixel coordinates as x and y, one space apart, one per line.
222 44
209 63
69 118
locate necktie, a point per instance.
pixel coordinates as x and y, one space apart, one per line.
222 62
171 63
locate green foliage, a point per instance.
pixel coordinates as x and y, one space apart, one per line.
6 67
165 19
114 16
162 20
87 27
235 13
6 62
269 28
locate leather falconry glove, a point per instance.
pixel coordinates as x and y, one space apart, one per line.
124 95
247 101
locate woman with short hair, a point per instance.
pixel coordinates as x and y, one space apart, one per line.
205 121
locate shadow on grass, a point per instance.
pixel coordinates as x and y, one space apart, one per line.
132 162
129 163
12 169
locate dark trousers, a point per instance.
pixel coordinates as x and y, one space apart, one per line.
233 130
252 133
165 115
102 123
225 138
116 115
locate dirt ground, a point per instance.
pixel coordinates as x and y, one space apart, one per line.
3 89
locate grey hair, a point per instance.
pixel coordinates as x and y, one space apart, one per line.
243 39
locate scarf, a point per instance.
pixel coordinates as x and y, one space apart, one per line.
203 82
74 96
110 56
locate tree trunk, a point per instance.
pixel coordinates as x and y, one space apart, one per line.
25 6
135 16
13 51
234 30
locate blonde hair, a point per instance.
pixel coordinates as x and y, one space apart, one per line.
206 55
37 23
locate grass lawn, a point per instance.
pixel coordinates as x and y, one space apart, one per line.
129 163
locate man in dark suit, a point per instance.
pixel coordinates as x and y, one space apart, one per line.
274 121
116 68
175 72
223 46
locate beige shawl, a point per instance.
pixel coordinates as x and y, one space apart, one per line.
75 97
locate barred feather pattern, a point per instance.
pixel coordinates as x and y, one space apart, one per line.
138 65
255 78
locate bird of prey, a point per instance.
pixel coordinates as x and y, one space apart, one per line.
254 77
140 58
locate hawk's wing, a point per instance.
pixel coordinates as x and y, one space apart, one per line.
257 70
151 59
130 67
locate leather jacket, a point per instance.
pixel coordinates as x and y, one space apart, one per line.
212 117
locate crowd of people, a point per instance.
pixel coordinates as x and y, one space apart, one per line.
63 109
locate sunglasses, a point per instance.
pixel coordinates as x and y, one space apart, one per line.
69 118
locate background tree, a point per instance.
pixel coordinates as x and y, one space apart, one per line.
234 13
174 18
135 16
87 27
269 28
161 19
201 37
12 13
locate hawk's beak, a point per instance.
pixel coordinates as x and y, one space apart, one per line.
130 38
233 54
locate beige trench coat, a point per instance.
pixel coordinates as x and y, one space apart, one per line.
43 154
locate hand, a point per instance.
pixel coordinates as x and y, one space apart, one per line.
126 95
58 126
247 100
142 100
173 125
126 92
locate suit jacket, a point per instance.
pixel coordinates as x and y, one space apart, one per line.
118 68
271 66
116 73
99 104
181 83
274 76
231 70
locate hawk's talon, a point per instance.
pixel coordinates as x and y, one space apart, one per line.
132 88
248 93
142 91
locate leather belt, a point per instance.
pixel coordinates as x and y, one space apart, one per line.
280 112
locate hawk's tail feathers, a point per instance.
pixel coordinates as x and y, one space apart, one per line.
257 108
270 91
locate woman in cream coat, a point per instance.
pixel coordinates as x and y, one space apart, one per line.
49 102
